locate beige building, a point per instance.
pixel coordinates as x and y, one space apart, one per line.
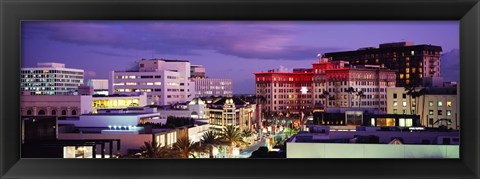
75 105
231 111
436 107
51 105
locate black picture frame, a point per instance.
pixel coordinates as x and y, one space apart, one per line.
12 12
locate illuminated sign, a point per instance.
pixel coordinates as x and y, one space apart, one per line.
304 90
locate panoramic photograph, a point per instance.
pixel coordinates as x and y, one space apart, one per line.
240 89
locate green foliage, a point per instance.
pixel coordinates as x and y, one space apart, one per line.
186 147
172 122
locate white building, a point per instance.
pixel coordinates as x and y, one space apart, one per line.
100 86
206 87
436 106
164 81
51 79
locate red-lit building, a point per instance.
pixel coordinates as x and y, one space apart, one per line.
331 84
285 91
337 84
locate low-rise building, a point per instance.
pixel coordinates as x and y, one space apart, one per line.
435 106
231 111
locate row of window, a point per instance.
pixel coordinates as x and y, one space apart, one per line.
140 83
50 71
53 113
137 77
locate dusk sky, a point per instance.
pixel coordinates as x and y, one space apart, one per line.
228 49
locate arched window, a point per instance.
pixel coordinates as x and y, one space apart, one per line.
54 112
74 113
64 112
29 112
41 113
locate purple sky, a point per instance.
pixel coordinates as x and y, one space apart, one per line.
228 49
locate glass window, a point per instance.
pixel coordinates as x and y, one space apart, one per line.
404 103
395 103
430 112
385 121
449 104
408 122
401 122
430 103
440 112
449 112
404 96
439 103
394 111
394 95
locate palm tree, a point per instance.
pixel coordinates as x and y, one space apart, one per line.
153 150
325 94
186 147
247 133
410 92
209 140
350 91
360 96
420 93
232 137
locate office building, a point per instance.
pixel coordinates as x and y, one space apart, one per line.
164 81
51 79
206 87
417 65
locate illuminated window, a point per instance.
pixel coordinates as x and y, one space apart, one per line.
408 76
449 104
414 70
158 83
430 112
407 70
404 103
394 111
412 52
430 103
401 76
395 103
449 112
439 104
407 64
420 75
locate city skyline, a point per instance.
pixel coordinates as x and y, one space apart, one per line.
227 49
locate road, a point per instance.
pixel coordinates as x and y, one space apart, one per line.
247 152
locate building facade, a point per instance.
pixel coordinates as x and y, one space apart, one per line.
100 86
51 105
229 111
284 91
206 87
417 65
331 84
435 106
164 81
336 84
51 79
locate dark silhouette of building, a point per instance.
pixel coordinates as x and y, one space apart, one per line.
416 65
